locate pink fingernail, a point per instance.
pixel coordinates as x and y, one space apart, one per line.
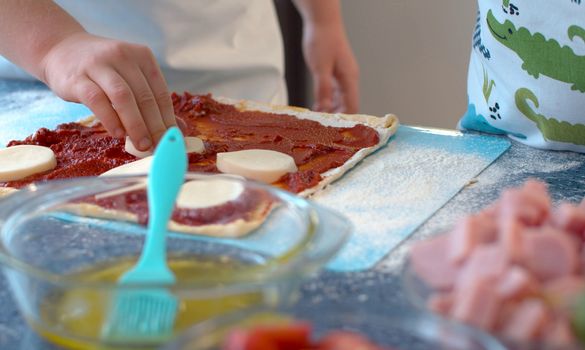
145 143
119 133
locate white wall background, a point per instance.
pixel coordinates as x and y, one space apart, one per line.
413 56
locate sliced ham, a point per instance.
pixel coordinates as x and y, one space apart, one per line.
515 269
487 227
570 218
478 305
487 262
462 240
510 237
430 262
507 308
527 322
468 233
560 334
549 253
516 283
529 205
537 192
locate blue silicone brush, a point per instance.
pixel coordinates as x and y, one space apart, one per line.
147 315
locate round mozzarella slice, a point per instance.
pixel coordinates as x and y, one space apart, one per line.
208 193
256 164
194 145
18 162
139 167
130 148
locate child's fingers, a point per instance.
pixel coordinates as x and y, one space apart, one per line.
159 88
323 86
91 95
348 84
347 77
145 99
124 103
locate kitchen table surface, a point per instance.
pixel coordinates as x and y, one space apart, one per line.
377 288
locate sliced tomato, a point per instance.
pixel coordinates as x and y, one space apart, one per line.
244 340
345 340
293 336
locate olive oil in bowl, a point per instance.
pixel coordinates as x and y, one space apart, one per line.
83 311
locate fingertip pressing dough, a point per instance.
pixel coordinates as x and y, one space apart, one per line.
256 164
194 145
18 162
130 148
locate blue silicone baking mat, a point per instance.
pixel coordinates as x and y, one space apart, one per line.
393 191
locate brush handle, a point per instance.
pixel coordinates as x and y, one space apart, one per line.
165 179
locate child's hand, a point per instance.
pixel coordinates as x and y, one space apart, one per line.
333 67
330 59
120 82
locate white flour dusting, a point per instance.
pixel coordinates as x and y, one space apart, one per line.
23 112
392 192
487 189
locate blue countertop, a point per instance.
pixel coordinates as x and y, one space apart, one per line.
377 288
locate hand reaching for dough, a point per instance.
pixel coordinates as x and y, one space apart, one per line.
120 82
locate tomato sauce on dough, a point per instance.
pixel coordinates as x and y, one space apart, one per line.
89 151
315 147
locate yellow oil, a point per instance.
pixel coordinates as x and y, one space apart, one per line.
74 319
82 312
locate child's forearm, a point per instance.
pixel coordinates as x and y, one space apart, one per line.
319 12
329 57
30 28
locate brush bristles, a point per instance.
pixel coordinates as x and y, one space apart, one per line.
141 316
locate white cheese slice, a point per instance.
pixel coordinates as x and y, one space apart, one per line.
138 167
256 164
18 162
130 148
208 193
192 145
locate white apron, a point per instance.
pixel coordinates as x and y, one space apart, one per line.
231 48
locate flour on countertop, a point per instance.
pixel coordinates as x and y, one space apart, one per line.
23 113
392 192
512 169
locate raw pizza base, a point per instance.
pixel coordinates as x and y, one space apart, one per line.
386 126
234 229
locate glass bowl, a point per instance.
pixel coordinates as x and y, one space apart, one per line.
63 261
396 329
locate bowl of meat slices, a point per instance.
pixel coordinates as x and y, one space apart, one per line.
514 269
